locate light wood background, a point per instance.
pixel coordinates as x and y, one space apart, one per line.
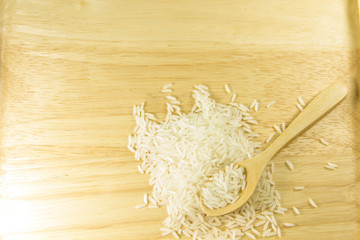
71 71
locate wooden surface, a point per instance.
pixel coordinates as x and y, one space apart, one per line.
71 71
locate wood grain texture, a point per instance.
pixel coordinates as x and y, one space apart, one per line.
71 71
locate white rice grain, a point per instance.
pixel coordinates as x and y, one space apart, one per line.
260 223
146 201
233 97
252 105
270 104
256 232
195 235
227 89
256 107
176 102
272 165
224 187
175 235
312 203
166 90
266 226
296 211
277 128
131 149
265 233
167 85
332 164
201 86
299 188
299 107
252 121
301 101
140 169
187 233
250 235
140 206
329 167
277 194
271 234
289 165
283 126
165 232
279 211
323 141
289 224
171 98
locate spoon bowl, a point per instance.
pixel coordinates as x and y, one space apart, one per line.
254 167
253 174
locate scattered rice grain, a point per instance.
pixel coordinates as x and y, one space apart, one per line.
323 141
271 234
171 98
332 164
283 126
167 85
301 101
289 224
252 105
312 203
276 127
227 89
270 137
146 201
166 90
299 107
329 167
296 211
256 108
233 97
289 165
140 169
140 206
270 104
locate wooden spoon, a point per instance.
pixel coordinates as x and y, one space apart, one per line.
254 167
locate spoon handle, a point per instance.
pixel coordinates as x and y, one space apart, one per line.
320 105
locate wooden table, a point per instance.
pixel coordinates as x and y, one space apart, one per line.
71 71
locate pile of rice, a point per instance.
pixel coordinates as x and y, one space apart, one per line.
183 152
224 187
